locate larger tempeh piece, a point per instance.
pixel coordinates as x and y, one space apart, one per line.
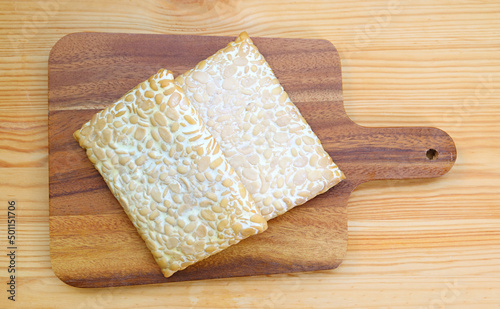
262 133
167 172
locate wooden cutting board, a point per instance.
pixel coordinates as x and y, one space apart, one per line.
93 243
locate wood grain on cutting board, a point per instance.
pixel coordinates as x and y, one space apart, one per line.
408 240
92 242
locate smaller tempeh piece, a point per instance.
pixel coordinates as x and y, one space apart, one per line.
278 157
169 175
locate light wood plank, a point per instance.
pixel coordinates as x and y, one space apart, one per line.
418 69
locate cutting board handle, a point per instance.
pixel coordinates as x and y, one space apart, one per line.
400 153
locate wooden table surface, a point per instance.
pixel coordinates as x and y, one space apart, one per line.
412 244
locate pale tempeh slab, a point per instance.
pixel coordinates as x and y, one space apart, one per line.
166 170
262 133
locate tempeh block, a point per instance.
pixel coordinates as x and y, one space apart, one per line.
278 157
169 175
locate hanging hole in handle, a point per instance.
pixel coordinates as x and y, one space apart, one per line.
432 154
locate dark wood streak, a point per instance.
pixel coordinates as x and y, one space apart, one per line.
87 71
